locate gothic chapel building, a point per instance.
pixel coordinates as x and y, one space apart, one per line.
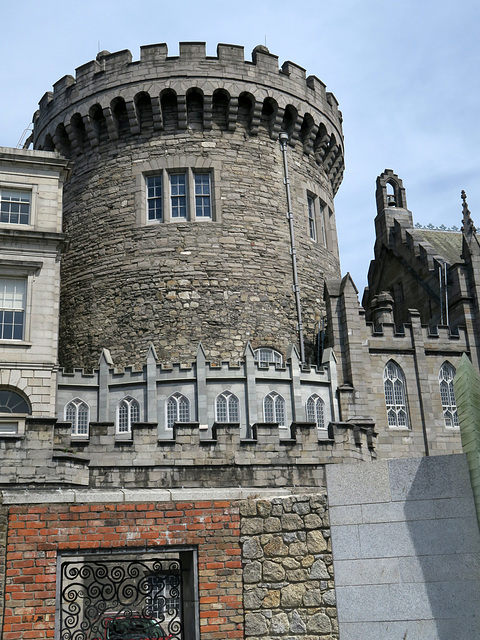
182 360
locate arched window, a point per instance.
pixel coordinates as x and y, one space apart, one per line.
447 394
265 356
274 409
178 409
227 408
128 412
77 412
316 411
395 397
13 409
13 402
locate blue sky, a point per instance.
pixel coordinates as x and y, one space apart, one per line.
406 75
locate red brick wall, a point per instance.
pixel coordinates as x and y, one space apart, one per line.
36 532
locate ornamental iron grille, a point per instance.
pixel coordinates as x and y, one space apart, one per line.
121 599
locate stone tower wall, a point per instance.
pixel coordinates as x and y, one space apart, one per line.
127 282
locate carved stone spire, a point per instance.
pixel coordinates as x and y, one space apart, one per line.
468 227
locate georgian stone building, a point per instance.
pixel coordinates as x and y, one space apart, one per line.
182 359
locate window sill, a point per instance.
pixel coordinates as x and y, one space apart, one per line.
16 343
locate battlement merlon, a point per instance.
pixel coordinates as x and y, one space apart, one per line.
262 77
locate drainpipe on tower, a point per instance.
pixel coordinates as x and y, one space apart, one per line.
296 287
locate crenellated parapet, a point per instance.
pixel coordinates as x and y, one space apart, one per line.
49 456
248 393
113 97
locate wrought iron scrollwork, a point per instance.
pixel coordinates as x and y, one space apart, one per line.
121 599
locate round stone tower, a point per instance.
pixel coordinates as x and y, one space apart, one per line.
176 207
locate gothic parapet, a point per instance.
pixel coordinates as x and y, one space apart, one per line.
113 97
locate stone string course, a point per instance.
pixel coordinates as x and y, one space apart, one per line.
287 568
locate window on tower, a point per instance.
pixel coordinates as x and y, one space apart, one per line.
312 224
179 196
154 198
203 208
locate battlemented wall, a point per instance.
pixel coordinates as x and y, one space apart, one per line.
226 280
364 349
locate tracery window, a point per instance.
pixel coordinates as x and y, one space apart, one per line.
77 412
316 411
395 396
178 409
265 356
227 407
447 394
274 409
128 412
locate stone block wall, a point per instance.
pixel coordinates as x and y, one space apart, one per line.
406 549
287 568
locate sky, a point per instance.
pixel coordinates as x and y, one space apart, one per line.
406 75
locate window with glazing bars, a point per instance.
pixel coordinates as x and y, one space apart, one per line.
13 293
227 408
128 412
203 208
76 412
178 409
266 356
274 408
15 206
316 411
395 396
154 198
178 195
447 394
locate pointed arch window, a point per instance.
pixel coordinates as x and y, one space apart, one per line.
395 396
78 413
316 411
178 409
227 408
447 394
274 409
128 412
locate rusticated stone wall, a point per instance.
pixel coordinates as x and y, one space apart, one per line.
287 568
